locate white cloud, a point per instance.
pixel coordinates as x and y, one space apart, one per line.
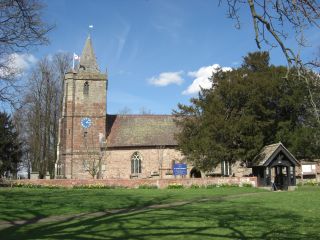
17 64
122 38
167 78
202 76
23 61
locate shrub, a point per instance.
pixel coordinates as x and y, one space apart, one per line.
299 184
147 187
4 183
224 185
229 185
175 186
210 186
233 185
246 185
96 186
31 185
311 182
52 186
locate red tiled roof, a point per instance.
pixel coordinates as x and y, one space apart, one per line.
140 130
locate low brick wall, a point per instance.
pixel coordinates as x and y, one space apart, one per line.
135 183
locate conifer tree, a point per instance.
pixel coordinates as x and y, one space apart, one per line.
10 147
245 109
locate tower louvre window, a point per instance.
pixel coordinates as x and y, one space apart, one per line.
86 88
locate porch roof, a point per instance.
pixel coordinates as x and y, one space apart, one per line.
268 153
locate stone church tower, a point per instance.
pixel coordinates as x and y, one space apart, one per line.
83 120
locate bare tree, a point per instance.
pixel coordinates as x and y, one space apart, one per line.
21 27
273 18
94 152
125 110
272 22
41 111
19 120
62 63
144 110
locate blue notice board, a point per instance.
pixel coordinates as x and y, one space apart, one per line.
179 169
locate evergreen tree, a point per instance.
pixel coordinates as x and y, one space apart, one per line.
245 109
10 147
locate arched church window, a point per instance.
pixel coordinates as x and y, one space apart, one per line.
136 163
86 88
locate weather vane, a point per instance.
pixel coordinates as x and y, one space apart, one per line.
90 29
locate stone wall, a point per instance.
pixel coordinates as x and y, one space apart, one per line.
116 164
79 106
314 175
236 170
155 163
135 183
76 143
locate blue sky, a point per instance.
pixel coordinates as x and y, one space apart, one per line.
153 49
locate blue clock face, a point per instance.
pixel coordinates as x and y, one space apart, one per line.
86 122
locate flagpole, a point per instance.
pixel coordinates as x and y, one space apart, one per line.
73 62
90 30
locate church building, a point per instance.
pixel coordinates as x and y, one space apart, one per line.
94 144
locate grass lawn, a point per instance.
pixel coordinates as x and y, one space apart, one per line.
28 203
228 215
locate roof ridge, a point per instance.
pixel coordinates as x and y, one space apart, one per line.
279 143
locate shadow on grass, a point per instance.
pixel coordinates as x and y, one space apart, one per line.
221 219
32 205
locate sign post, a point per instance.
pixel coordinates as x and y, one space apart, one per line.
180 169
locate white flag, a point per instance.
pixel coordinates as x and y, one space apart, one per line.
90 26
76 57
